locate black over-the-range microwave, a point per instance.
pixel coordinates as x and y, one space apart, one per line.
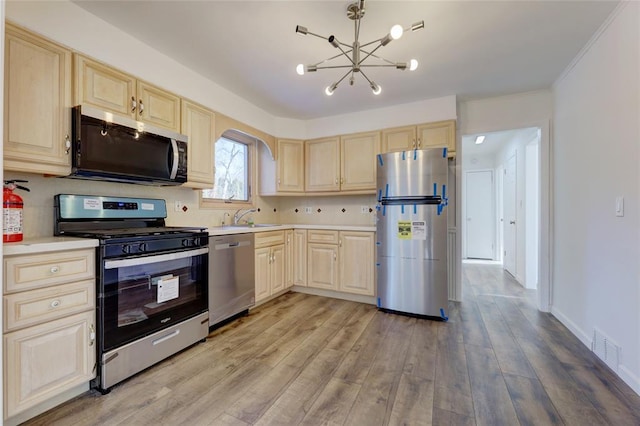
109 147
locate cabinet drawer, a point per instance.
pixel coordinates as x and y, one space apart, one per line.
270 238
41 270
322 237
37 306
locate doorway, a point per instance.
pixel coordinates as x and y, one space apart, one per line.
501 200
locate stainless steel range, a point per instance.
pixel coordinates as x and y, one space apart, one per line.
152 280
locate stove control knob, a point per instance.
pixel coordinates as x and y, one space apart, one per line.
126 249
142 247
187 242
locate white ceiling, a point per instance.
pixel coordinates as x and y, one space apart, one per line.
468 48
494 141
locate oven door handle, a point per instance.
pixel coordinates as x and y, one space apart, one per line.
112 264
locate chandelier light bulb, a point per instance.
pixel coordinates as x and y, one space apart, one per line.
300 69
413 65
330 89
396 31
376 89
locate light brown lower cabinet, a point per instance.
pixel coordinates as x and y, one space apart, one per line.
269 263
341 261
46 360
49 328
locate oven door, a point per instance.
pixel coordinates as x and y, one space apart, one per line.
144 294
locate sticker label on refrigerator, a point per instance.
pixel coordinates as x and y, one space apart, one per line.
168 289
419 230
404 229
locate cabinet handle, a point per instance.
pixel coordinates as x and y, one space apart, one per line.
413 143
419 143
278 181
336 181
133 104
55 269
341 181
340 243
67 144
54 304
141 108
334 257
92 335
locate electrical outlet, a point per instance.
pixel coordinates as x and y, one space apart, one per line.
307 210
177 206
364 209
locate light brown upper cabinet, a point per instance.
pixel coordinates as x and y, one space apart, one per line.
439 134
358 161
37 104
199 124
322 164
285 174
111 90
345 163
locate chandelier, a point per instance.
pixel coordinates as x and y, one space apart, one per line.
358 53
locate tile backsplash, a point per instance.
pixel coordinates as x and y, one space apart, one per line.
335 210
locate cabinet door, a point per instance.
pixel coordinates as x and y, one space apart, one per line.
440 134
46 360
399 139
288 258
198 123
37 104
322 266
322 165
300 257
290 174
358 166
277 268
357 262
263 271
104 87
158 107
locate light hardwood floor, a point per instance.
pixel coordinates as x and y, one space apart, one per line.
309 360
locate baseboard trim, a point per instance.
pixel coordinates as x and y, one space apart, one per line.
623 372
629 378
371 300
585 338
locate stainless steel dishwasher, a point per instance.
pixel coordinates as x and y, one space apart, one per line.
231 276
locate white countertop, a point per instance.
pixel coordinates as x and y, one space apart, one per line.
46 244
228 230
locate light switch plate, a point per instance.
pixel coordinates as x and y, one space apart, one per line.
620 206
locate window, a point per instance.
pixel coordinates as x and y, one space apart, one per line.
232 178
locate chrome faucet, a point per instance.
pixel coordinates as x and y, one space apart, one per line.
237 215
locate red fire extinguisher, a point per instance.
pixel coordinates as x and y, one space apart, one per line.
12 206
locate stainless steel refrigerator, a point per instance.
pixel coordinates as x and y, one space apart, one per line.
412 232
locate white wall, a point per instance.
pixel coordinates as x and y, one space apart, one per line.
596 271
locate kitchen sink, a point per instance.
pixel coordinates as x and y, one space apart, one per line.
255 225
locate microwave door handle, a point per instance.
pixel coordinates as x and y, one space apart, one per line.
174 166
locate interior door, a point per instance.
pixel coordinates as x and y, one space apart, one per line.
509 215
479 214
